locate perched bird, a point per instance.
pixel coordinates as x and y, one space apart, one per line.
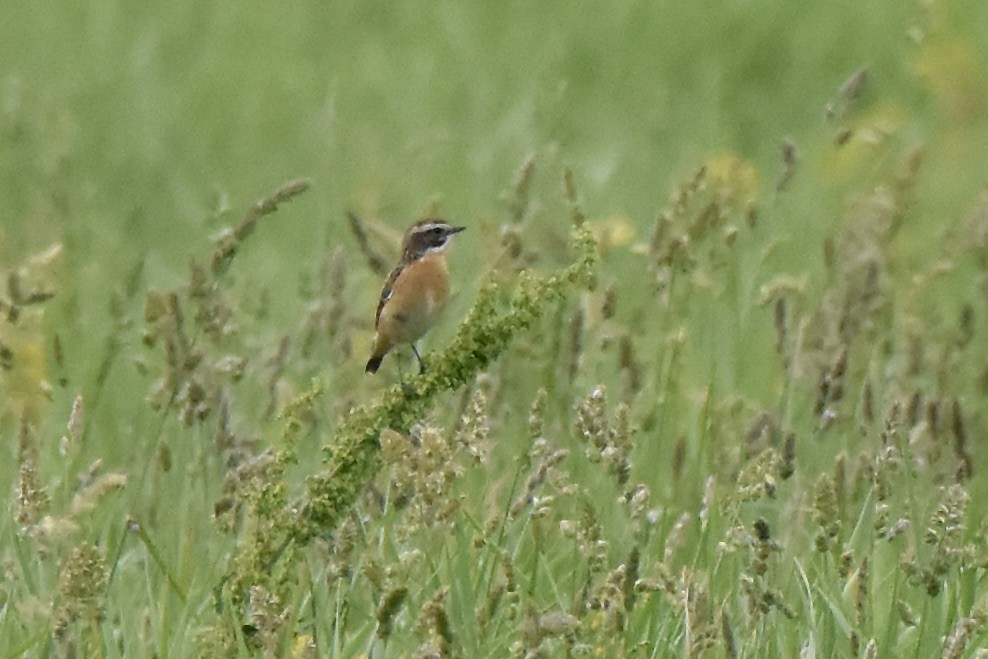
416 290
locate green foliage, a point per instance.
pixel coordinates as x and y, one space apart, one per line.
710 383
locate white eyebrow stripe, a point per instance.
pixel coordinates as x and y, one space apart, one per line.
429 227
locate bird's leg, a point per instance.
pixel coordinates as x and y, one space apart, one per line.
418 357
405 386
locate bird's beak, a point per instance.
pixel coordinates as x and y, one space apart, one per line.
453 230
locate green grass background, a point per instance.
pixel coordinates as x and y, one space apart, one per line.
131 134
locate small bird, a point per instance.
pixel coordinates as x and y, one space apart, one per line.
416 290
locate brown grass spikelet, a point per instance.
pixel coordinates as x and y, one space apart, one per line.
658 244
707 502
517 197
495 595
780 321
955 643
336 281
549 459
89 497
608 306
639 500
675 538
935 420
32 496
230 241
569 190
860 602
434 624
212 313
576 338
536 415
971 240
883 473
81 596
763 547
831 386
885 467
787 461
387 609
514 248
691 597
913 408
790 162
473 433
592 548
757 479
276 368
867 406
241 484
340 552
74 428
773 598
608 598
558 623
905 181
503 593
328 313
897 528
826 513
846 95
945 533
632 565
631 368
686 220
26 284
609 440
761 433
906 614
727 634
538 631
590 420
701 631
616 596
51 532
845 564
224 438
24 374
378 263
965 465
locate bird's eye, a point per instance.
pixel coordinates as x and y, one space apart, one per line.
436 231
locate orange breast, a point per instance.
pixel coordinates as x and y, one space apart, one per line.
417 298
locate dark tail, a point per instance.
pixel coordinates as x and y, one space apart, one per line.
374 363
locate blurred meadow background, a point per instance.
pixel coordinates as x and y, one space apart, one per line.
749 424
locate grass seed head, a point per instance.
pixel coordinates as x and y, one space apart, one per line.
826 513
387 608
32 497
82 583
434 623
960 636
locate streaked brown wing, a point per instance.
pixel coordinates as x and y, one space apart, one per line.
386 292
